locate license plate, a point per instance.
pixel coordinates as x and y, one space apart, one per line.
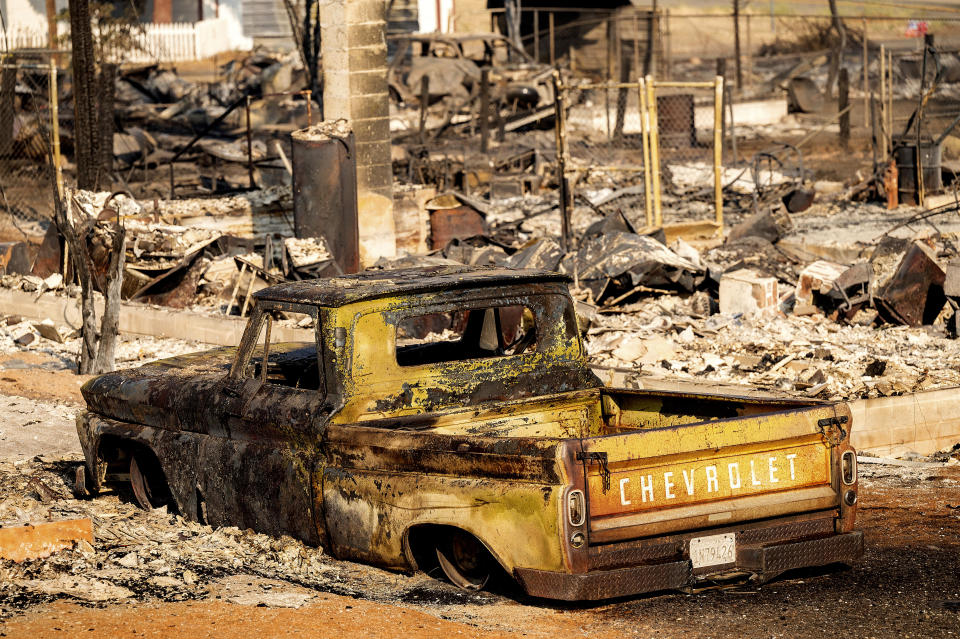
713 550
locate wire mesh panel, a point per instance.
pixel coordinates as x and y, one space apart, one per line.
604 141
686 121
26 135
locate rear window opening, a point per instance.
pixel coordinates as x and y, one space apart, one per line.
479 333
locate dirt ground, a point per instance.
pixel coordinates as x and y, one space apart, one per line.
906 586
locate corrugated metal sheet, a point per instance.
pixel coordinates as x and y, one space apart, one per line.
265 19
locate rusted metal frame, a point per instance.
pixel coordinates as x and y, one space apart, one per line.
248 341
182 264
519 459
671 547
264 363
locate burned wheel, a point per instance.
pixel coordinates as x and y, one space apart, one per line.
465 561
148 483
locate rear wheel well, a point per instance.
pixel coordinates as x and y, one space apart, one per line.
429 546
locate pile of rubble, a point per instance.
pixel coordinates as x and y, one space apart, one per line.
60 344
156 555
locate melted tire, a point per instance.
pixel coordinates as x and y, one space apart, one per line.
148 484
465 561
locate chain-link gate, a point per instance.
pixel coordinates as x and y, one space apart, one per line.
647 134
29 140
685 122
602 130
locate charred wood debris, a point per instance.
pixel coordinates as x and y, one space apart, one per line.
202 179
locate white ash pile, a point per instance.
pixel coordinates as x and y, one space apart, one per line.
808 355
158 556
61 342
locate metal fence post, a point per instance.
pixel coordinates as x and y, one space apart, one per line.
654 149
718 151
561 142
55 128
645 142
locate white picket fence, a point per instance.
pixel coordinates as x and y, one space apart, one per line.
158 42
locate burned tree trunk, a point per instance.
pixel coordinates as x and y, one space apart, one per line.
836 58
85 112
97 347
106 125
110 324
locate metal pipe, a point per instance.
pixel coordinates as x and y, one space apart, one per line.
251 182
484 110
866 78
55 128
553 42
424 99
536 35
561 144
883 100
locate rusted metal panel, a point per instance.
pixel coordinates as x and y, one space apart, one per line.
712 477
35 541
456 223
914 295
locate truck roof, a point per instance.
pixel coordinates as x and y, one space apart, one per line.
346 289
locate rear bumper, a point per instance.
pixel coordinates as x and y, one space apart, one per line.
766 561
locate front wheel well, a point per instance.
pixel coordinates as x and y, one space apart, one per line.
117 458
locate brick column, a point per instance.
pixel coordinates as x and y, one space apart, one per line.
353 41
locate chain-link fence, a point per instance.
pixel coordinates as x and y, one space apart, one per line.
29 140
603 138
656 142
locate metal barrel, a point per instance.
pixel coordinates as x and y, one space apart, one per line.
325 189
905 153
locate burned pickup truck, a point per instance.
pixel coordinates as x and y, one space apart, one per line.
446 419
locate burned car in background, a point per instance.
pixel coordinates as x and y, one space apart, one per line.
446 417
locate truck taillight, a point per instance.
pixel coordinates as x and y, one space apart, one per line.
577 512
848 467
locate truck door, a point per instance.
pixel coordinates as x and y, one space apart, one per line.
258 474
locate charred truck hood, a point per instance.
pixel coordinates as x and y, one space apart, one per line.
163 394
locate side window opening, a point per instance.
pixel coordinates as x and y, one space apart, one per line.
479 333
294 364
